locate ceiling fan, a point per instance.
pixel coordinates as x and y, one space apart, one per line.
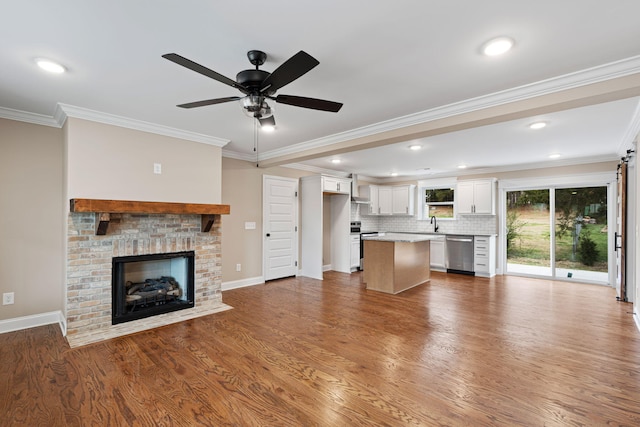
259 85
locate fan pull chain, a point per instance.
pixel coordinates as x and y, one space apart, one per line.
255 140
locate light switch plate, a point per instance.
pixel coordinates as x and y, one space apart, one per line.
157 168
249 225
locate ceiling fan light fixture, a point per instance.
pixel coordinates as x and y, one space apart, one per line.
415 147
256 106
497 46
267 128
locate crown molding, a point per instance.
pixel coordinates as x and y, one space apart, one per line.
238 156
64 110
580 78
23 116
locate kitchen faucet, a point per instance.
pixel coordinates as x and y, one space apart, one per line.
434 221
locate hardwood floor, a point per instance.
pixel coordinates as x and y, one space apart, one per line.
456 351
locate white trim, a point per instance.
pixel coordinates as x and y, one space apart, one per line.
33 321
637 320
23 116
326 267
580 78
64 110
247 157
242 283
438 182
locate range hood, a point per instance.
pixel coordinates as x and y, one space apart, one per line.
355 194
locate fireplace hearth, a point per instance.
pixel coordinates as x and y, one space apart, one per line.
148 285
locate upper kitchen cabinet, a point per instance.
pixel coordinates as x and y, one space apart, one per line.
476 197
385 201
369 192
389 199
331 184
402 198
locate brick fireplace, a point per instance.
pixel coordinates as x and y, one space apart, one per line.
92 245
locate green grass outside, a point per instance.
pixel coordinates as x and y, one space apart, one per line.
532 246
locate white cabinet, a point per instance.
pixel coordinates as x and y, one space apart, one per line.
484 260
389 200
476 197
331 184
355 251
370 192
402 197
385 200
437 255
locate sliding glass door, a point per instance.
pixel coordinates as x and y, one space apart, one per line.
558 233
581 233
528 236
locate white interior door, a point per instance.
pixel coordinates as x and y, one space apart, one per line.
279 225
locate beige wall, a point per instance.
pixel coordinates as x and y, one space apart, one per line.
242 189
550 171
31 218
110 162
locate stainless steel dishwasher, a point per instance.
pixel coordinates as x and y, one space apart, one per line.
459 254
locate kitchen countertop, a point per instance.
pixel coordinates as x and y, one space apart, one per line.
403 237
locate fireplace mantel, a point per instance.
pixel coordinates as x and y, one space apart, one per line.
104 208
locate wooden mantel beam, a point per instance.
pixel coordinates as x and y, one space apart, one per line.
103 209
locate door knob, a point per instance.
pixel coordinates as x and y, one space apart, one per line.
268 234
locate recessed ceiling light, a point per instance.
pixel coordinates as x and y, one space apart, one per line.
462 166
267 128
50 66
394 173
554 156
335 161
537 125
415 147
497 46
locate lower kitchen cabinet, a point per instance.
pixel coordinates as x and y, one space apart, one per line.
484 260
355 252
437 255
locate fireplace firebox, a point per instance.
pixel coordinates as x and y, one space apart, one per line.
148 285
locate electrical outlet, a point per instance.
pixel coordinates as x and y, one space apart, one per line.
7 298
238 267
157 168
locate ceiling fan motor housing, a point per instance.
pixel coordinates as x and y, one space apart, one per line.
252 79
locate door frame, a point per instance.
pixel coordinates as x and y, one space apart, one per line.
296 221
600 179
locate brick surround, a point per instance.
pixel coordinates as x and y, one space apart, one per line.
88 270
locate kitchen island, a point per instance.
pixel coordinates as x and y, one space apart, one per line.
395 262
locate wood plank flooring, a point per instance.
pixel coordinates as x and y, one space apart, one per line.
301 352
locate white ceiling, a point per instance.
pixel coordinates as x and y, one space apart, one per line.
385 61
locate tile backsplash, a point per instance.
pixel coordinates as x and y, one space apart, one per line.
465 224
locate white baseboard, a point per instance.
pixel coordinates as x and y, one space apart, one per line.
637 319
242 283
26 322
327 267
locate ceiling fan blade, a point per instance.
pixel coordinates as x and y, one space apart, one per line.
181 60
294 67
209 102
313 103
269 121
